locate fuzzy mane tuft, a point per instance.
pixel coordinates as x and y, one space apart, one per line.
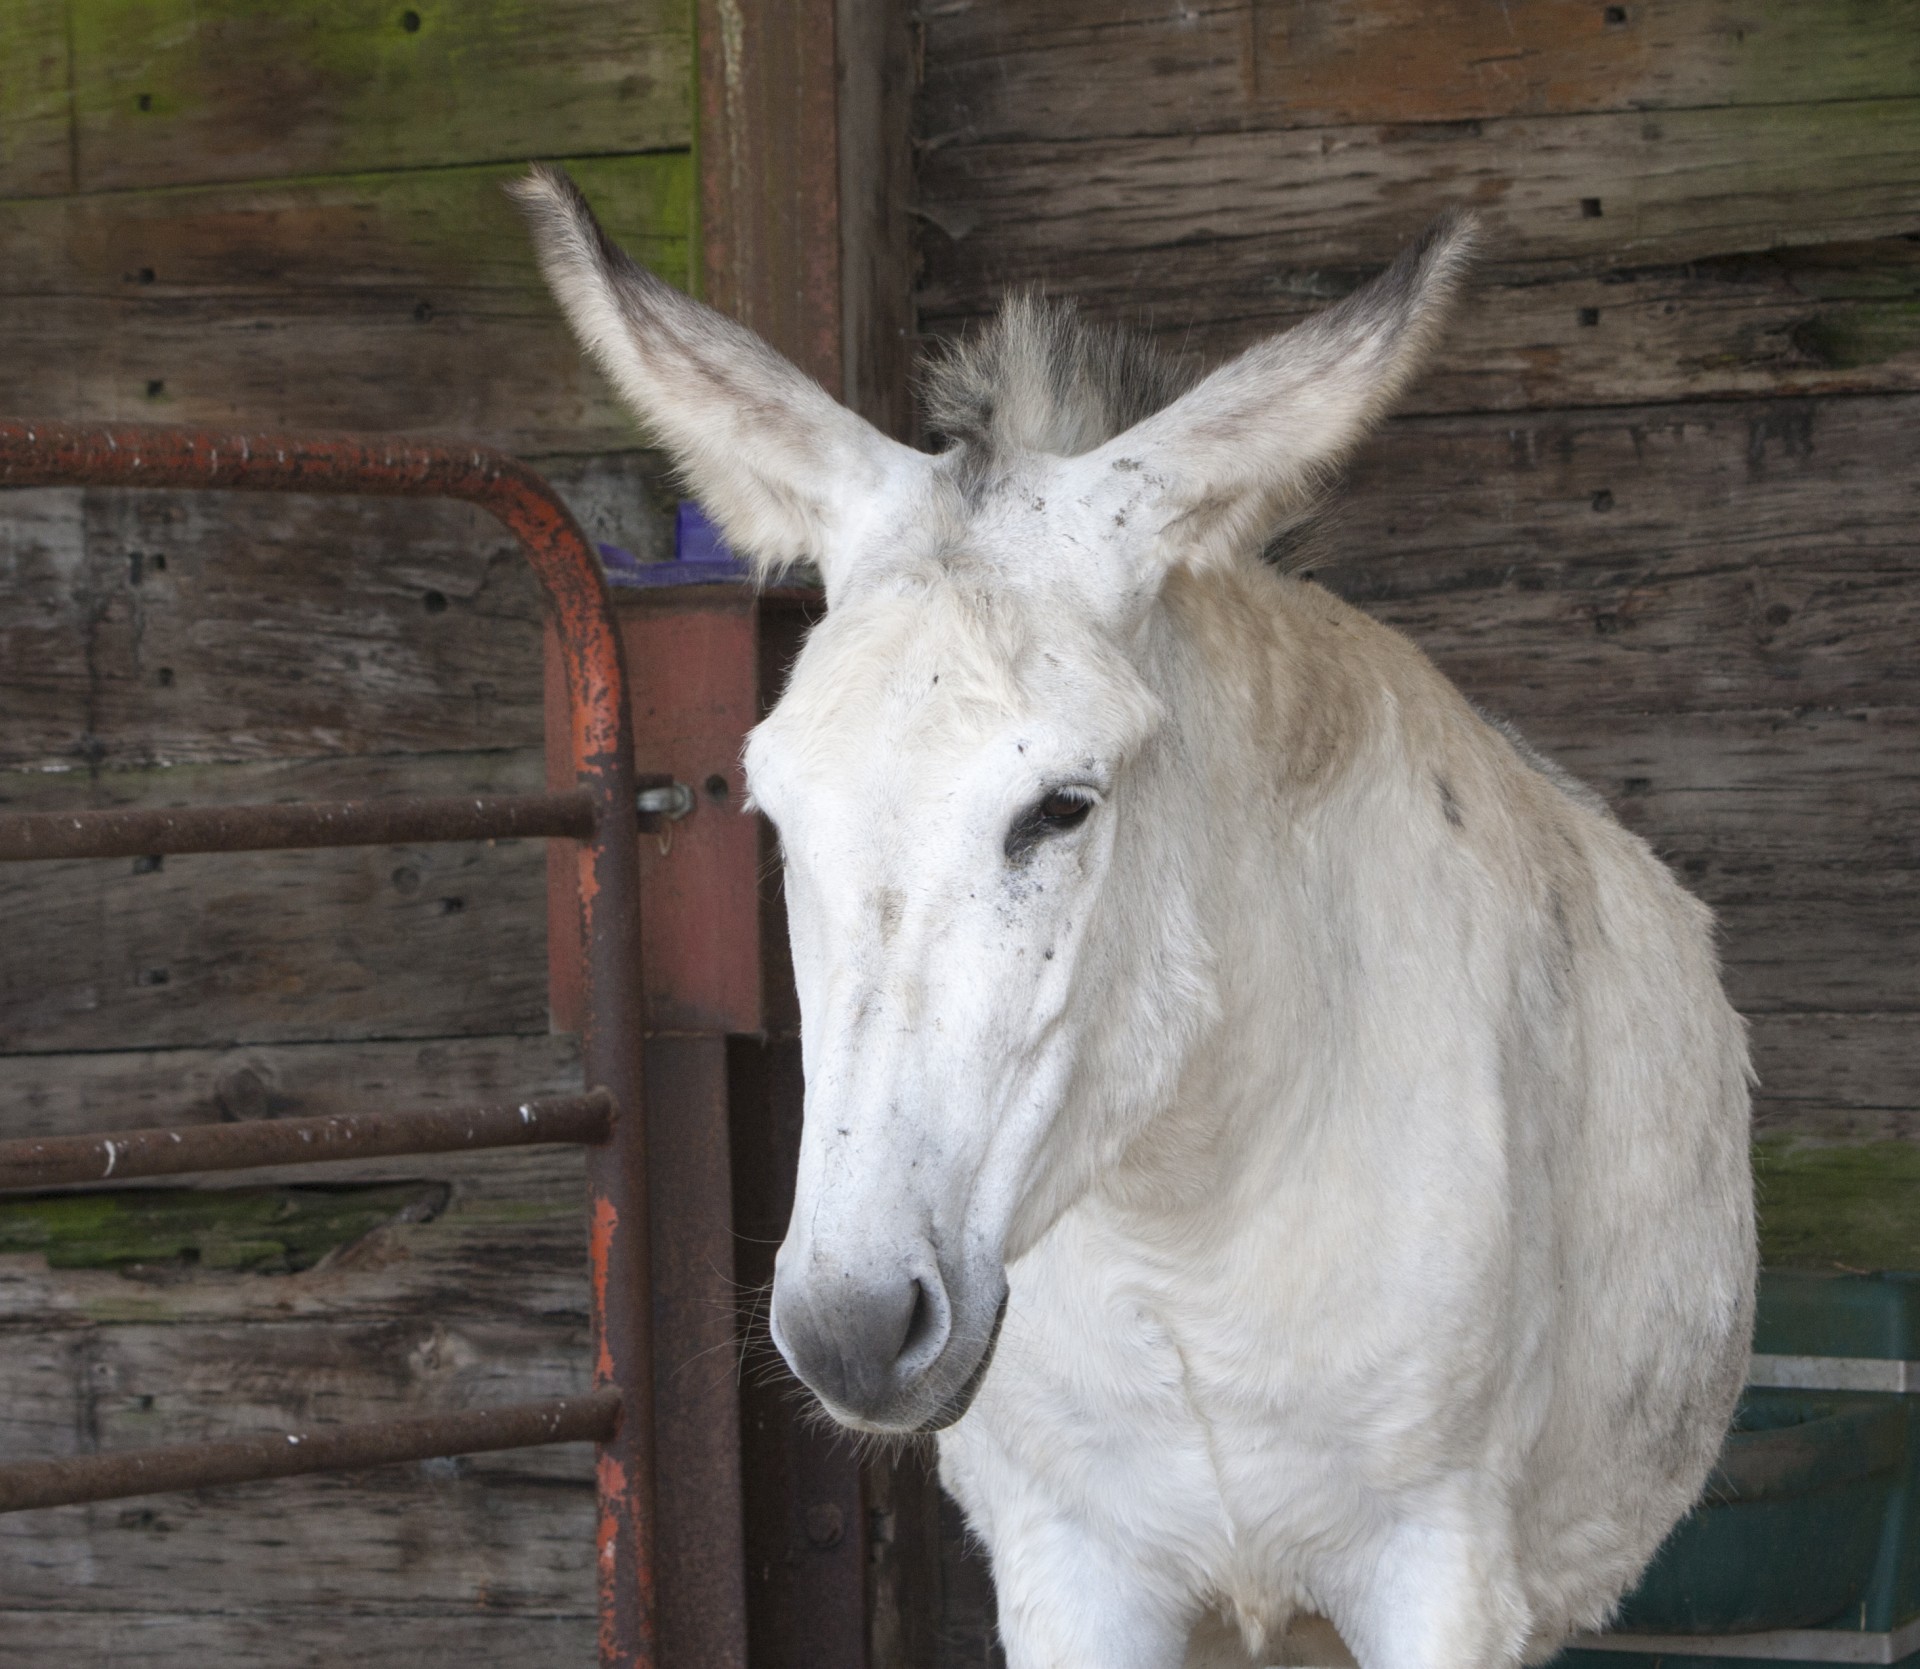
1039 378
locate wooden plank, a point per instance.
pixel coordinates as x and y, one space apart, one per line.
219 783
412 233
176 1637
231 90
110 1389
44 625
391 942
1595 191
697 1355
809 1576
507 1247
257 1230
875 93
1752 481
1840 941
1798 828
36 130
145 1089
1787 790
406 302
511 1532
1822 319
1726 556
1105 68
770 175
381 942
201 626
138 627
1838 1077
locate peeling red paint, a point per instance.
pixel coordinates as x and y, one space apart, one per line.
600 1233
611 1478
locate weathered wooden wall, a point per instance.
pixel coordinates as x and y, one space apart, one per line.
1657 500
246 215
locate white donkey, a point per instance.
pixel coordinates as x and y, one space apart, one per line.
1286 1138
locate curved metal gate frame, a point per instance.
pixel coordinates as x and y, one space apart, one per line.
599 812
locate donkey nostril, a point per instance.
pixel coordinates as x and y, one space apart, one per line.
858 1349
926 1334
920 1321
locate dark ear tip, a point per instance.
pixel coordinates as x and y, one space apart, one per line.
1452 237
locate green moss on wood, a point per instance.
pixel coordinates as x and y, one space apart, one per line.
1848 1208
178 91
1851 338
259 1230
1772 57
286 245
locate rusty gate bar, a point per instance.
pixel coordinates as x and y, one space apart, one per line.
55 1161
404 819
290 1454
36 454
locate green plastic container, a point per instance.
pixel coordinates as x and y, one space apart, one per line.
1812 1517
1788 1532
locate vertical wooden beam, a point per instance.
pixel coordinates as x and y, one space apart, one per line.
805 173
804 169
806 1532
877 80
769 155
700 1549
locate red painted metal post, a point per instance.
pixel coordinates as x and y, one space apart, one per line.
601 745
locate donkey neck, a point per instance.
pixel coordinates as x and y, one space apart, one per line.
1322 754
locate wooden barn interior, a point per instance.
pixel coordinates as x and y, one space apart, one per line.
1655 503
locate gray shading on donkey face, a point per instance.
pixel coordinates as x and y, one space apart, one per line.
1286 1138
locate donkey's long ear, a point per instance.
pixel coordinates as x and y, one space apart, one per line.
1210 477
784 468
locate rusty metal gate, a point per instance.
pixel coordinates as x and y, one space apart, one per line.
598 811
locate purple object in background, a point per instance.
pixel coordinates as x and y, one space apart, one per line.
700 556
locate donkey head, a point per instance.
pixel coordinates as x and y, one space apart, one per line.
997 980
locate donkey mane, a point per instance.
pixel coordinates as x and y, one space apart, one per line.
1039 378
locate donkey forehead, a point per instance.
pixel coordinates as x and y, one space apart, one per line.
940 676
1047 533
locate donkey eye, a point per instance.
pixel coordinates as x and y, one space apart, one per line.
1063 809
